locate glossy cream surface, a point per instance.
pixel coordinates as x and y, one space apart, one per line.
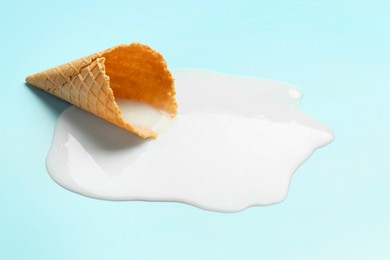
235 143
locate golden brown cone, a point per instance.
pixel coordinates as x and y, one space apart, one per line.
133 71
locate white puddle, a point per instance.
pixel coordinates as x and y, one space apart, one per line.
235 142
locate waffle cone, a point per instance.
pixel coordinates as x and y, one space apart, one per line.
131 71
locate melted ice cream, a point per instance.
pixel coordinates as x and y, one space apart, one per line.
235 143
143 115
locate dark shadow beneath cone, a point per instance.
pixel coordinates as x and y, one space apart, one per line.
54 104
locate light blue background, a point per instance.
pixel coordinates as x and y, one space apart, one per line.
337 52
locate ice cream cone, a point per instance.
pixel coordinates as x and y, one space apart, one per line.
131 71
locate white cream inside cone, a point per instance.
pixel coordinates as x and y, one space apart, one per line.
143 115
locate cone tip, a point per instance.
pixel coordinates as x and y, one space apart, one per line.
29 79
